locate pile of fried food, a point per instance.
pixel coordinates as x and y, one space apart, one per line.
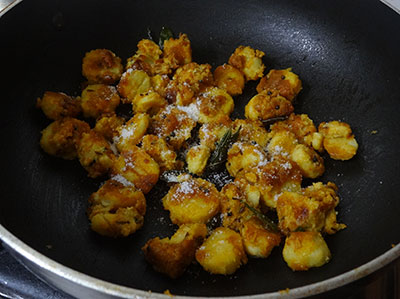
178 107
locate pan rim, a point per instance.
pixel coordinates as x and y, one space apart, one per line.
13 243
111 289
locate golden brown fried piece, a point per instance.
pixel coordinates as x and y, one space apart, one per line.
172 255
257 240
117 208
230 79
222 252
101 66
174 125
138 168
285 82
99 99
243 156
187 82
309 210
267 181
233 210
148 58
197 158
192 201
132 132
213 104
248 61
252 131
159 84
149 102
95 154
304 250
303 128
62 137
339 140
132 83
161 152
213 131
107 125
56 105
266 105
177 52
284 142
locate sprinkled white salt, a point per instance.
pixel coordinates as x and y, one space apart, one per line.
186 187
286 165
119 178
191 110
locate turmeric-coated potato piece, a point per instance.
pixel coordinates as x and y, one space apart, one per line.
121 223
325 194
132 83
233 210
196 75
101 66
117 208
95 154
252 131
308 160
132 132
187 82
173 255
308 210
150 102
138 168
257 240
266 105
159 84
210 133
107 125
339 140
174 125
304 250
222 252
197 158
161 152
148 58
268 180
248 61
192 200
230 79
243 156
56 105
177 52
62 137
115 193
285 82
99 99
214 103
302 127
284 142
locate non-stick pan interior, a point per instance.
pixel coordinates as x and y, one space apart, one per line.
346 54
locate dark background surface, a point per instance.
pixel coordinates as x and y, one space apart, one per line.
346 54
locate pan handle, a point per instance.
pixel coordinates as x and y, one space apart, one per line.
393 4
6 5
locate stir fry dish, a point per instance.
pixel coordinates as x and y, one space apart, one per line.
180 130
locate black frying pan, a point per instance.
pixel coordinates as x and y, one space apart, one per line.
346 52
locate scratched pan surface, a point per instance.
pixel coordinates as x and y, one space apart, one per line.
346 53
